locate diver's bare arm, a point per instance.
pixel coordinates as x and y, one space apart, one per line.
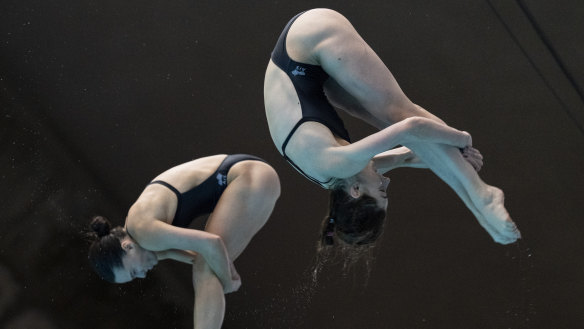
397 158
161 236
346 161
404 157
183 256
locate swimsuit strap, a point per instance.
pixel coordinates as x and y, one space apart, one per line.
300 122
173 189
170 187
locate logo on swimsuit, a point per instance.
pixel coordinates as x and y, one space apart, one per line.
221 179
299 70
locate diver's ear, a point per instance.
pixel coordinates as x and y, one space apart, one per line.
354 190
127 244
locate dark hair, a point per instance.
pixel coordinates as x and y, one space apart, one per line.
354 221
348 233
106 252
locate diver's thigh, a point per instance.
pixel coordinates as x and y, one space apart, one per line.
244 207
328 39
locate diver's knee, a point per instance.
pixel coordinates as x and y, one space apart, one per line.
271 184
266 182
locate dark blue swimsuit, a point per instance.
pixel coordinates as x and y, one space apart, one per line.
203 198
308 80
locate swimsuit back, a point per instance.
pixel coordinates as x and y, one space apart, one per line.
202 199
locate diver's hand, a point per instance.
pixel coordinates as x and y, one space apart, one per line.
472 156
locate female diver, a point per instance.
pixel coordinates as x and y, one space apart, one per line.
321 63
239 191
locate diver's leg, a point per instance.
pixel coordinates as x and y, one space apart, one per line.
245 205
485 201
209 308
242 210
361 84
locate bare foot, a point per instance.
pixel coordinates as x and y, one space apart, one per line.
497 237
504 230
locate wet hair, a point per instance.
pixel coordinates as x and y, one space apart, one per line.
352 221
106 252
349 231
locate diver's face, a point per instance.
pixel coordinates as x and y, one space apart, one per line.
373 184
136 262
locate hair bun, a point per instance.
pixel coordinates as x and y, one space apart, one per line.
100 225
